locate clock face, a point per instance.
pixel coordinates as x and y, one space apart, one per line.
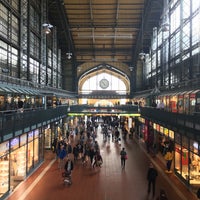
104 83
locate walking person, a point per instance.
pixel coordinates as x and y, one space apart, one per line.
62 155
98 160
151 177
69 166
123 155
91 155
168 157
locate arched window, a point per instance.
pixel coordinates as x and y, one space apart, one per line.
104 81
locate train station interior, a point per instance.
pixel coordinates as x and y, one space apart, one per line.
72 71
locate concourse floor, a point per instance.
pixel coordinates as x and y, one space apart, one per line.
107 183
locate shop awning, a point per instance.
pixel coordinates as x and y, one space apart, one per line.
17 90
7 90
26 91
21 91
10 90
1 90
33 92
14 90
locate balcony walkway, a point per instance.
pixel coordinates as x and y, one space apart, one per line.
107 183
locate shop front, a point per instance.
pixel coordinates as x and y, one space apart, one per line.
140 128
18 158
165 139
187 159
185 149
52 131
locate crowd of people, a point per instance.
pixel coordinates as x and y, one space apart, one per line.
81 146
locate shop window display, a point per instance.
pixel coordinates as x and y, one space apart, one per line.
182 156
4 175
47 138
181 161
30 156
194 163
194 169
178 158
17 166
36 151
4 168
187 163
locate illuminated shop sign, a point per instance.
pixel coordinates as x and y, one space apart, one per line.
30 136
4 147
158 127
36 133
195 145
154 126
14 143
23 139
100 113
161 129
171 134
166 131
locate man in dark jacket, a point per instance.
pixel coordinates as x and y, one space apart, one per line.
123 156
151 177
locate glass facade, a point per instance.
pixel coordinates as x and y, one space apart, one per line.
110 83
173 44
21 55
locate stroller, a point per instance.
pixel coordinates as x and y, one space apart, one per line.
67 177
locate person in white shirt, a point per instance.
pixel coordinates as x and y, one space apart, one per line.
161 105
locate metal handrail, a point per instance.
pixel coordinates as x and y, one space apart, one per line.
15 121
190 123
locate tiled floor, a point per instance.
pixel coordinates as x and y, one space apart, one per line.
108 183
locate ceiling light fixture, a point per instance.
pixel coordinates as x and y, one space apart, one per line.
47 28
165 27
69 55
142 54
131 68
